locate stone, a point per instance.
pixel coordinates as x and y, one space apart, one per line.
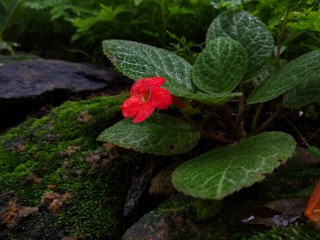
173 219
29 79
161 184
27 86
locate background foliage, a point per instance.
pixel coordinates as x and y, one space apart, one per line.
74 29
78 25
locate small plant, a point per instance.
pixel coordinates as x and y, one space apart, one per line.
7 13
229 97
295 24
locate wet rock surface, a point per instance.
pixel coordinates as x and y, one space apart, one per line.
173 219
27 86
20 222
34 77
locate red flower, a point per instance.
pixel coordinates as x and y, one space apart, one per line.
145 96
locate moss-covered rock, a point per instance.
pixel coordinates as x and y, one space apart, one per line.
57 181
56 163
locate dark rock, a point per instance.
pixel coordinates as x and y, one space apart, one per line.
138 188
173 219
161 184
279 213
30 229
30 79
20 222
29 85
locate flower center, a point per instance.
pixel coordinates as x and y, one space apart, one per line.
145 96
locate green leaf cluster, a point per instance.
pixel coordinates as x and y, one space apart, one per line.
299 78
237 63
294 24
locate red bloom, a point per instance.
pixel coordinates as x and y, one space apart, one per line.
145 96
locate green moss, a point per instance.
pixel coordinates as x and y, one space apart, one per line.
100 208
177 203
294 232
56 151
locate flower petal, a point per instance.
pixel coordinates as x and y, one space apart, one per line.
130 107
160 98
140 88
145 96
145 111
155 81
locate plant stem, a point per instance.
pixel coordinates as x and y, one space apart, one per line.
314 134
226 116
164 21
298 133
281 35
267 122
204 133
239 123
256 117
79 51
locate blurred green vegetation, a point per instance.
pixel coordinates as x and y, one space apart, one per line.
74 29
70 29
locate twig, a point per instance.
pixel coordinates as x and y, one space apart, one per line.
239 123
267 122
256 117
281 35
298 133
314 134
204 133
79 51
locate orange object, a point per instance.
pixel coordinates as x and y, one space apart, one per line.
312 211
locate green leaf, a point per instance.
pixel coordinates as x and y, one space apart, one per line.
229 4
212 98
137 60
314 151
207 209
250 32
306 93
2 17
160 134
137 2
299 72
7 13
228 169
220 66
